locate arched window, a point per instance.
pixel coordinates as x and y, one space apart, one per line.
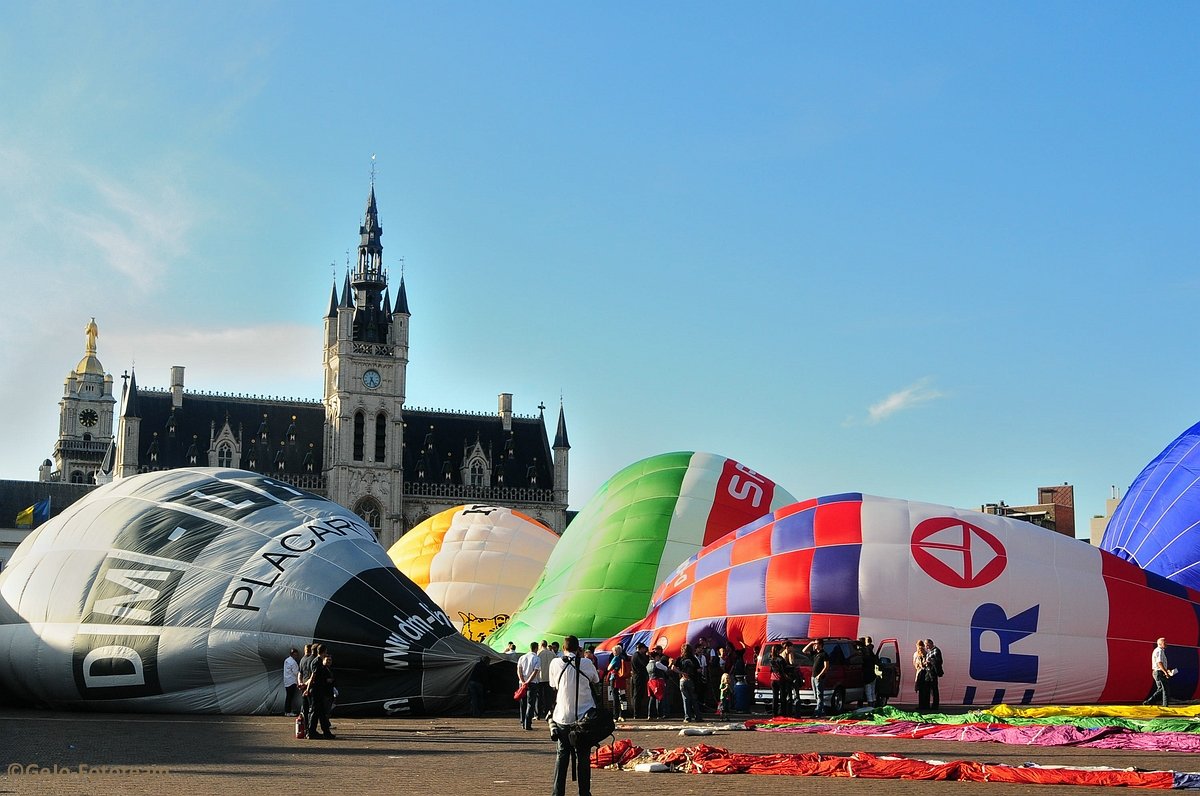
371 512
359 430
380 437
77 477
224 455
476 472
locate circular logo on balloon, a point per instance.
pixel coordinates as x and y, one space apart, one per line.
957 553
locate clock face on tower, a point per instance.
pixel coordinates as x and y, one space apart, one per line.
88 417
371 379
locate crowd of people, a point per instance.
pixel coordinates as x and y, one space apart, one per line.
640 684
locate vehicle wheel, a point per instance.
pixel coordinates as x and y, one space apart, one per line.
837 701
881 702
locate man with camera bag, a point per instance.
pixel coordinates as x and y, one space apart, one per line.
572 675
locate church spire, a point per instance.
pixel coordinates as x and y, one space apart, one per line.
369 270
369 279
560 435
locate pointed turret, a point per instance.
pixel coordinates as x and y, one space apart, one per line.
402 299
131 407
562 455
560 436
333 303
129 430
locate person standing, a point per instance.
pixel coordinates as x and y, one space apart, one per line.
291 682
921 676
869 661
638 679
572 676
656 686
1158 667
689 669
529 674
783 671
320 693
618 679
820 668
933 665
546 691
304 675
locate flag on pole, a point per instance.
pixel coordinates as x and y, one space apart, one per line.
34 515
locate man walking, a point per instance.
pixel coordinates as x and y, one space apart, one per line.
1158 667
529 674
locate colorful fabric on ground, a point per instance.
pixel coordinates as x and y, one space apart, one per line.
1045 729
704 759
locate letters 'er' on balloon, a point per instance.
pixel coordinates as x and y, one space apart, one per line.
1157 524
634 531
1021 614
477 562
182 591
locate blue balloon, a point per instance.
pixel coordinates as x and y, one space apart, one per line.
1157 523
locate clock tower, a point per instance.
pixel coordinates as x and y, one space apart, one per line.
85 417
366 357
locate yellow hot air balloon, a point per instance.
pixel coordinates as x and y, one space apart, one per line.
478 563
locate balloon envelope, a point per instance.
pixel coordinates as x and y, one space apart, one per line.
1157 524
1021 614
183 590
476 562
634 531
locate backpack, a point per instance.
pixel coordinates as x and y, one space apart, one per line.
592 728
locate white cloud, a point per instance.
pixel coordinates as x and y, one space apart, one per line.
913 395
278 359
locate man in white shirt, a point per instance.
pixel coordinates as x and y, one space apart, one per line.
291 674
529 674
572 675
1158 667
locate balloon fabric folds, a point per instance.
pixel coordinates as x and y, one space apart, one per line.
182 591
476 562
1157 524
1022 615
635 530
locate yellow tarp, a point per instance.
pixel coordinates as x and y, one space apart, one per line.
1118 711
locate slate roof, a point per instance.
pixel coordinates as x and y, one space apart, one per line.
292 432
272 431
434 445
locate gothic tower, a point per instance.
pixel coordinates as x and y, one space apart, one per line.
366 357
85 417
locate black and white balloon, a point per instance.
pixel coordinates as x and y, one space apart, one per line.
182 591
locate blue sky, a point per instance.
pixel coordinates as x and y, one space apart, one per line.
936 251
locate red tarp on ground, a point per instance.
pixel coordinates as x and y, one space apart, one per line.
704 759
